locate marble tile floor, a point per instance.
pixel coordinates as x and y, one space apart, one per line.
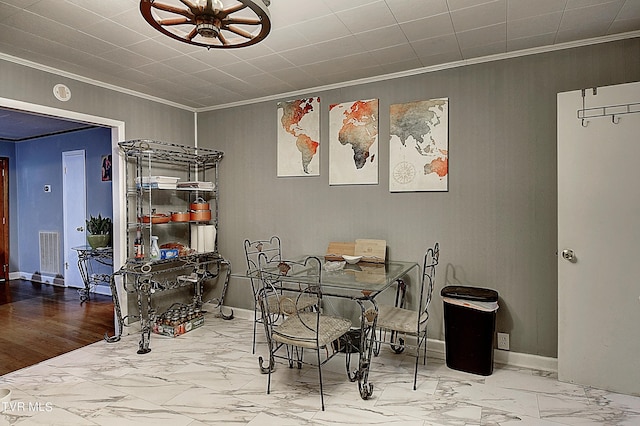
210 377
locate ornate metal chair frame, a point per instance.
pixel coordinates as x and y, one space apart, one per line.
288 325
397 322
272 249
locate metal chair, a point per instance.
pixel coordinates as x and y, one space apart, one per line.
397 321
286 289
272 250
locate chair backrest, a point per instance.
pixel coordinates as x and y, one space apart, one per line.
431 258
271 248
287 286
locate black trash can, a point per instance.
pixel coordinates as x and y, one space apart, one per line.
469 328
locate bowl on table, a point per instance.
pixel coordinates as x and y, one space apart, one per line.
351 260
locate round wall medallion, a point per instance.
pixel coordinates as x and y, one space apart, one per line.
62 92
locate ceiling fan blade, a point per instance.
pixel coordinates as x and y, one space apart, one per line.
223 39
175 21
190 5
172 9
233 9
192 34
242 21
239 31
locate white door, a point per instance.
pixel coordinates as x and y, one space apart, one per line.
599 220
74 206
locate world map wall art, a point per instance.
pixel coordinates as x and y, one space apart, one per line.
353 143
419 146
299 137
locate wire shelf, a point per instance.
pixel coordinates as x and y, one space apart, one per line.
170 152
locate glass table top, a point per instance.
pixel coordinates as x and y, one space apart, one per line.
362 277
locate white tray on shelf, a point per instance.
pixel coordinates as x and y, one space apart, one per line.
203 186
157 179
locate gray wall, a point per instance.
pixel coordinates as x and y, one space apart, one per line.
143 118
497 223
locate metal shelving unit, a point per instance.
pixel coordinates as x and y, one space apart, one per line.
146 276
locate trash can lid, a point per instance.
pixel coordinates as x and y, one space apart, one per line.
477 294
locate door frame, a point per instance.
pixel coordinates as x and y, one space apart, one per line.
4 241
118 167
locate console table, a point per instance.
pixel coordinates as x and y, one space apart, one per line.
88 261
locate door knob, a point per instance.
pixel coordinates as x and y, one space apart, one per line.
80 228
569 255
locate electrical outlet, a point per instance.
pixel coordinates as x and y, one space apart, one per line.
503 341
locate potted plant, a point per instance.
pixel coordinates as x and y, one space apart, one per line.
99 229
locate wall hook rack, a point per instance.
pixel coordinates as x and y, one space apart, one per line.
613 111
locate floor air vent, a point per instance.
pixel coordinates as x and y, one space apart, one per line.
49 253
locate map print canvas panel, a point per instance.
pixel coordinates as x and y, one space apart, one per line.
299 137
419 146
353 143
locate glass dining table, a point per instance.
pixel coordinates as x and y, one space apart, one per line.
361 283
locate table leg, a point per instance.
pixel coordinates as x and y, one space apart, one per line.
400 300
224 291
220 300
84 274
116 305
144 289
367 342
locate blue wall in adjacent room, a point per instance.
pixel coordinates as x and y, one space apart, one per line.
37 163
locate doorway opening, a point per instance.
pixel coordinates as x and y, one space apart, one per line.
118 185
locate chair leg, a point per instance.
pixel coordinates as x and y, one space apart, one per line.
377 342
320 377
255 323
299 356
269 378
422 340
424 361
396 342
255 316
415 372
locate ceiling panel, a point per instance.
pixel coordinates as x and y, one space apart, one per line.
311 43
18 126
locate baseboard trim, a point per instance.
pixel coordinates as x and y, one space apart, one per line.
436 349
104 290
38 278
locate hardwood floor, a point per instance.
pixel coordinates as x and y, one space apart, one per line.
41 321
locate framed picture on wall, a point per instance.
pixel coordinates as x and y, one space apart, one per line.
106 168
299 137
353 143
419 146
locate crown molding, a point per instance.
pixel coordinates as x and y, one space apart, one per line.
434 68
98 83
279 96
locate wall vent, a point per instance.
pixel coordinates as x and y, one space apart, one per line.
49 253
